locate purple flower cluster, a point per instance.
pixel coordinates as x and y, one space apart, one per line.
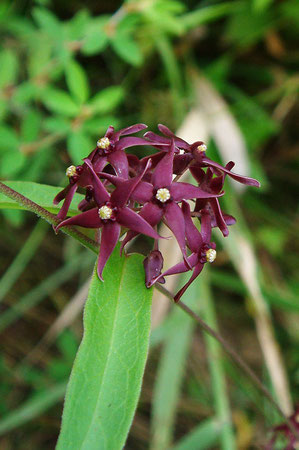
122 190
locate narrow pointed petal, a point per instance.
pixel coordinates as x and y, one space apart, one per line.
130 130
121 195
153 264
198 173
153 137
129 219
218 216
162 175
186 191
99 163
68 200
151 213
181 162
118 159
100 194
197 269
177 269
175 221
241 179
206 227
110 132
193 236
109 238
61 195
178 141
87 219
131 141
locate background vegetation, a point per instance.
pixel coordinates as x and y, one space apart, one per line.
225 73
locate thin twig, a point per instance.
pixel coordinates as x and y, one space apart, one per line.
46 215
232 353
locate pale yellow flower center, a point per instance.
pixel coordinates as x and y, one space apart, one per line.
202 148
103 143
71 171
211 255
105 212
163 195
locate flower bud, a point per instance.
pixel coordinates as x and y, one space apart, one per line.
153 264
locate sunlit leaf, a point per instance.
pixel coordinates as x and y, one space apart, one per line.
77 81
106 378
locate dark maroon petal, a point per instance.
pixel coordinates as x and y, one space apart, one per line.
218 216
241 179
153 137
186 191
109 238
205 226
119 161
178 268
153 264
197 269
181 162
229 220
87 219
130 130
121 194
162 175
129 219
100 194
131 141
99 163
193 236
68 200
175 221
62 194
178 141
198 173
155 157
143 192
110 132
150 212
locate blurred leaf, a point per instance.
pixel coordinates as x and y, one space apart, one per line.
95 40
170 372
60 102
47 22
57 124
30 126
77 81
9 67
107 99
32 408
14 217
8 138
25 92
11 162
98 125
261 5
203 437
103 391
126 48
78 25
39 57
41 194
207 14
79 145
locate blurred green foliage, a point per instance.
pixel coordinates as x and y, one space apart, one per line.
67 72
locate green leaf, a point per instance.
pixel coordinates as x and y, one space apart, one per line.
57 124
126 48
41 194
9 67
201 437
98 125
8 138
107 99
30 126
11 162
96 39
208 14
48 22
60 102
79 146
77 81
106 378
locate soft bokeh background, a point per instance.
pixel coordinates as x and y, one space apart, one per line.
221 72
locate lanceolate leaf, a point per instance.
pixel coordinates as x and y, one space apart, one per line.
106 378
41 194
